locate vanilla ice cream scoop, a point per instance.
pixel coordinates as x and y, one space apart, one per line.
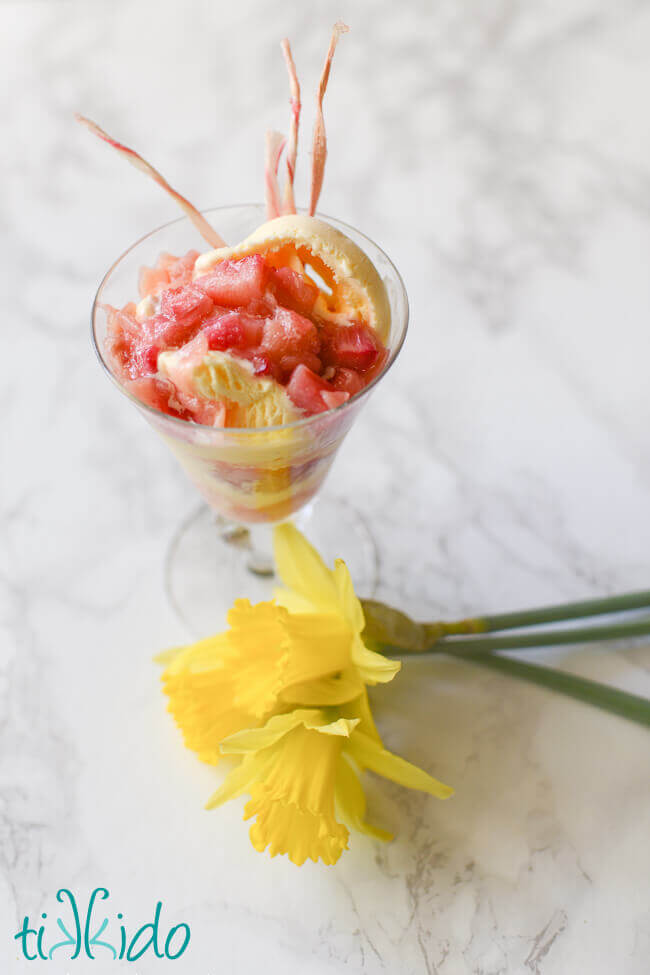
353 289
251 401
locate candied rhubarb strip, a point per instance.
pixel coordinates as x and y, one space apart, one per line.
319 148
199 221
289 203
275 142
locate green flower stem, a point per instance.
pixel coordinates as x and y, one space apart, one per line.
567 611
392 632
390 626
601 696
610 699
547 638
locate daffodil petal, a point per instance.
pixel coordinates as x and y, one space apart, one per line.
292 601
350 605
373 667
301 568
342 726
237 781
325 691
206 654
360 708
351 801
285 828
166 657
370 755
255 739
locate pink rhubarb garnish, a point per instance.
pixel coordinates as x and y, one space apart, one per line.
199 221
289 204
275 142
319 147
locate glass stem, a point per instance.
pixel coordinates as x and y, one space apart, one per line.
260 559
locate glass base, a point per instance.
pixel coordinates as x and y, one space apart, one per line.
211 562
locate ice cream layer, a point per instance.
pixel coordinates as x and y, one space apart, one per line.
249 400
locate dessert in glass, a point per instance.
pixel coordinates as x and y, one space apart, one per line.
252 361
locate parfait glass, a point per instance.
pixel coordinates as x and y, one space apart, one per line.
252 478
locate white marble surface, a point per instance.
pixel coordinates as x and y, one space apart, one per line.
500 153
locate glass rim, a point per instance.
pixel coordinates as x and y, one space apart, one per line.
292 424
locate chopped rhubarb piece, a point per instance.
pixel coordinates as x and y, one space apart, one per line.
186 304
168 270
122 335
212 413
262 365
145 360
167 333
236 283
347 380
261 307
159 393
289 334
289 362
224 333
306 389
377 366
334 399
234 330
122 321
293 290
152 281
349 346
180 270
166 261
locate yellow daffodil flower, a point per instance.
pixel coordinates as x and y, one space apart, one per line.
284 691
303 649
300 770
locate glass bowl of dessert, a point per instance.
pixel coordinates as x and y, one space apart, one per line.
252 361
